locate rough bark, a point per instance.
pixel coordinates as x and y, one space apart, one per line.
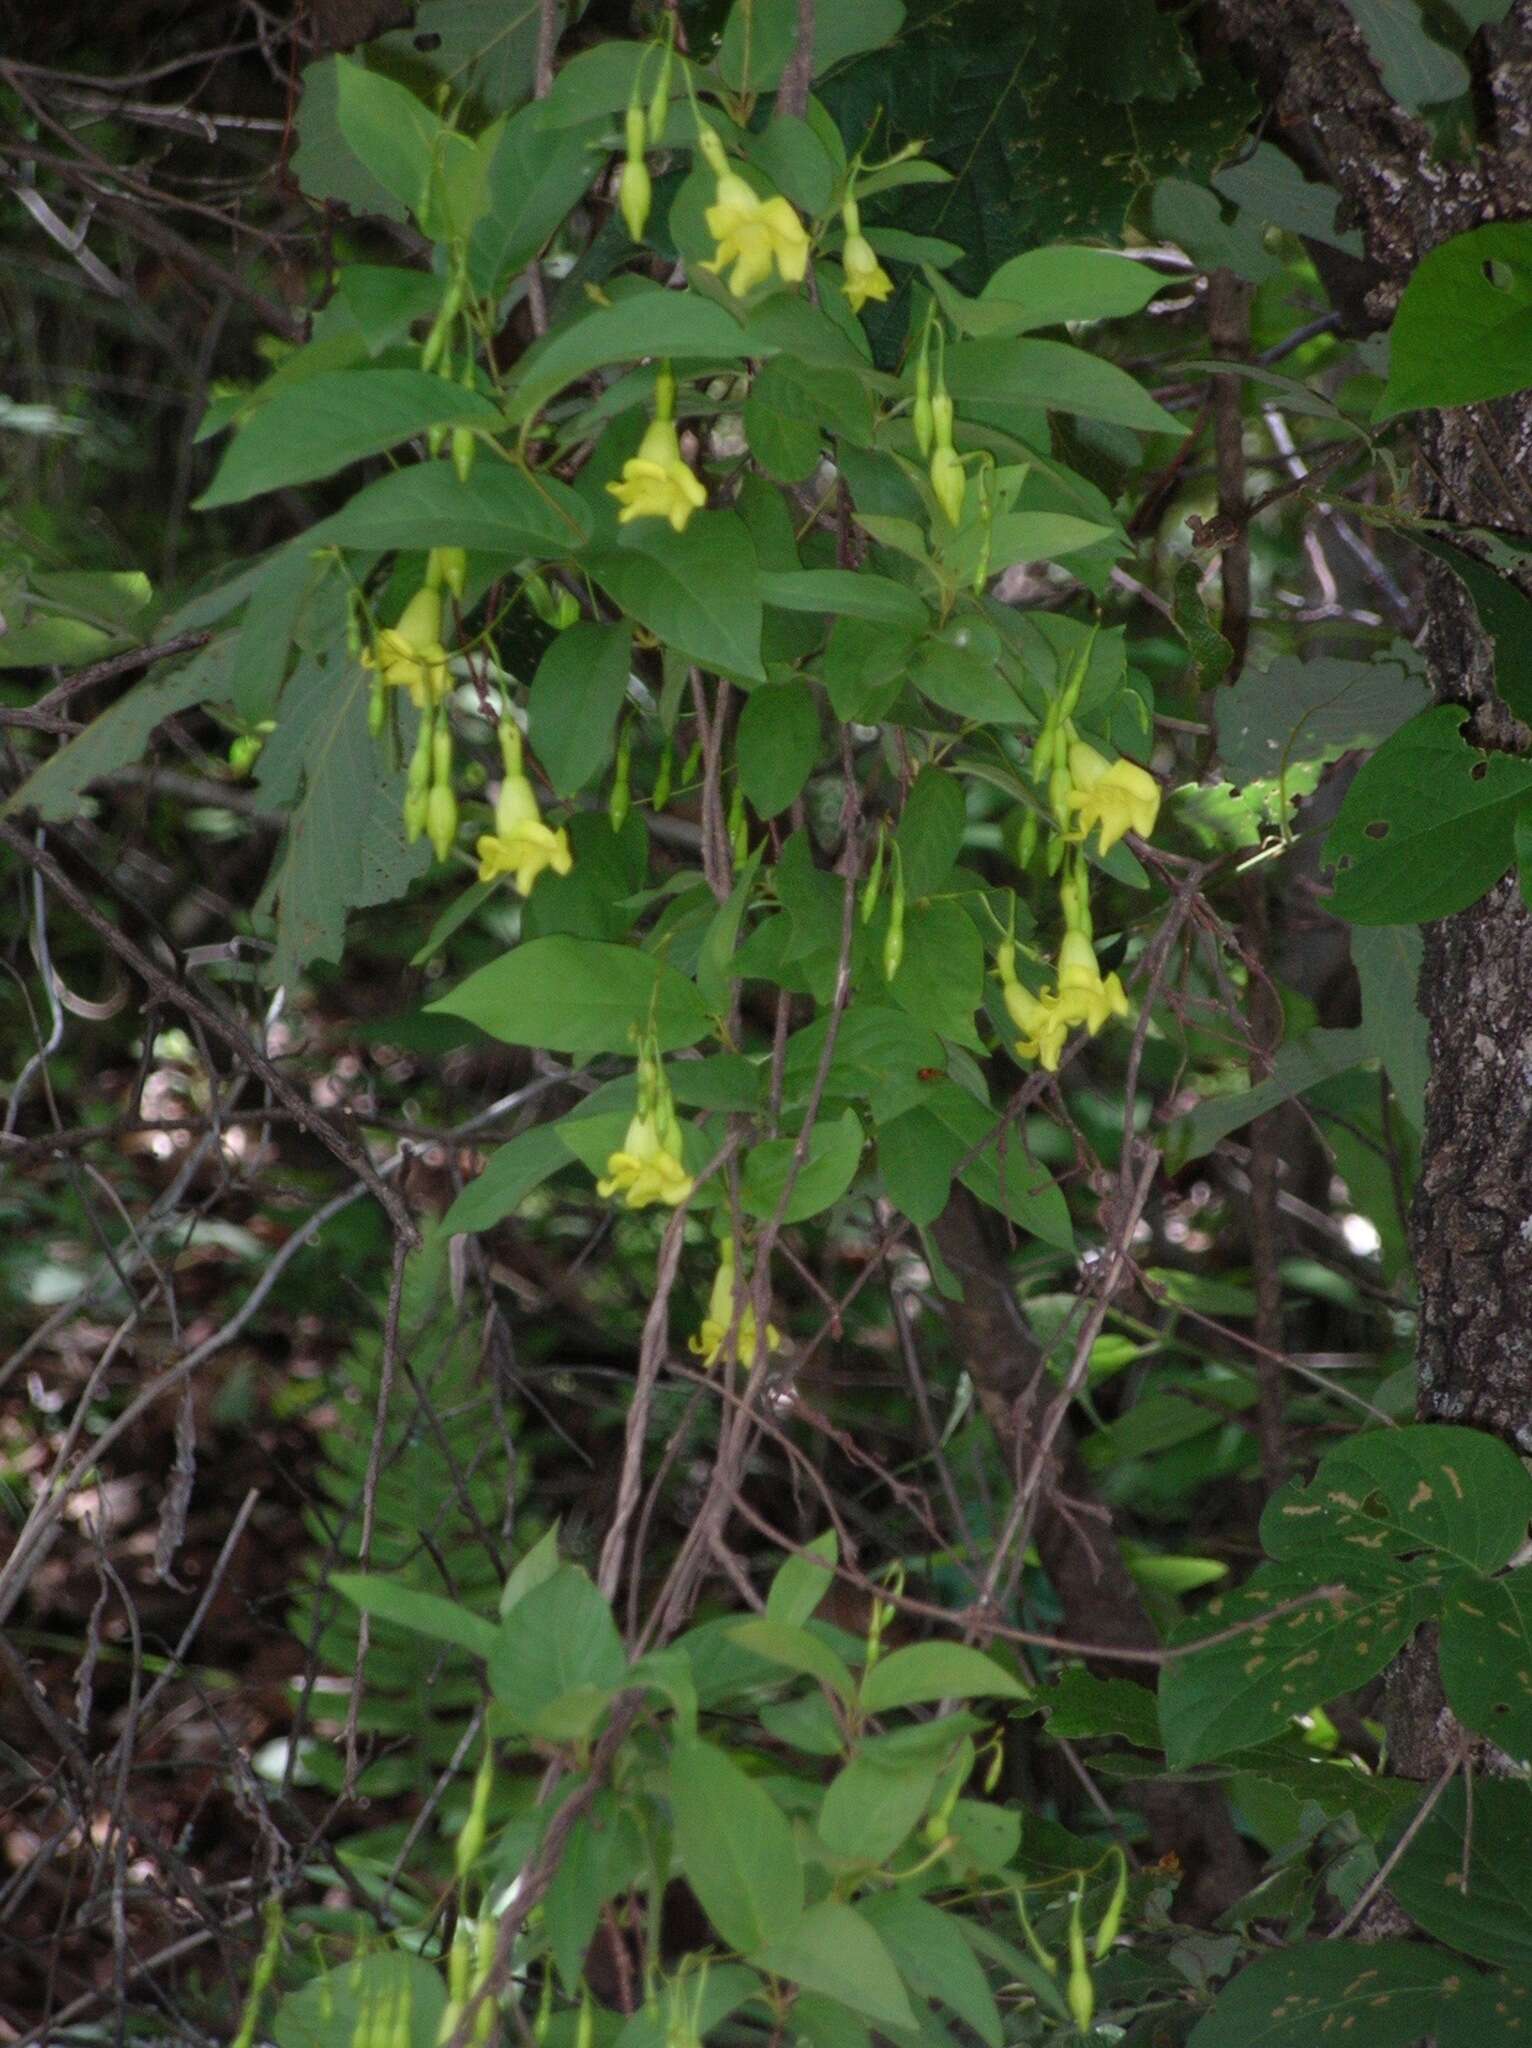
1077 1542
1472 1224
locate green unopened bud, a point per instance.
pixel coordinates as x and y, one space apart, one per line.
470 1841
941 417
465 446
658 117
436 440
924 423
1111 1919
893 938
1043 1957
1079 1990
244 752
691 764
1026 840
660 795
738 825
451 569
636 191
874 882
566 610
377 707
441 819
622 797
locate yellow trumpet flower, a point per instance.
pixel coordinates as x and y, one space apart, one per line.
410 655
1117 796
865 276
752 234
656 483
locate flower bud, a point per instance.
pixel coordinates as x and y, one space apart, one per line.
441 819
465 446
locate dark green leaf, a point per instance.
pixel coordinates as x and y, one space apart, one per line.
777 744
514 1170
1486 1657
936 1671
319 426
697 592
580 996
834 1950
1464 1875
576 695
1424 789
1463 331
834 1153
423 1614
501 510
1374 1994
558 1639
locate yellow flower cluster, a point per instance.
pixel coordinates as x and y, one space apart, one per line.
410 656
753 235
709 1341
648 1167
1114 796
865 276
521 845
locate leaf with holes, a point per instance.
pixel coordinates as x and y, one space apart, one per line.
1486 1656
1381 1994
1248 1688
1399 1492
1428 825
1463 331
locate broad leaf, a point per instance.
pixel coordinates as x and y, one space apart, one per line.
1424 789
1375 1994
558 1639
1463 331
321 425
735 1847
572 995
801 1583
424 1614
1485 1654
869 1808
1464 1875
777 744
514 1170
576 695
834 1950
1054 374
698 592
936 1671
833 1155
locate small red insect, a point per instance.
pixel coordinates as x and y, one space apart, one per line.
929 1074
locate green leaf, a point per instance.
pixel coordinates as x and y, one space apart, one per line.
54 789
807 1723
1054 374
834 1950
834 1153
757 43
324 164
423 1614
1416 70
1044 287
681 325
602 1855
1505 615
110 597
539 170
931 830
1486 1656
385 300
1001 1173
936 1671
1298 1066
55 643
1463 331
1369 1994
940 981
558 1639
795 1649
345 847
386 1990
563 994
501 510
777 744
698 591
735 1847
868 1808
325 423
514 1170
538 1566
484 47
863 668
1424 789
1269 185
390 131
572 708
715 960
936 1959
801 1582
962 678
846 593
1281 725
1387 959
1464 1875
1246 1690
715 1993
917 1156
1080 1705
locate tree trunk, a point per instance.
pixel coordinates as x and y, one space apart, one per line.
1472 1223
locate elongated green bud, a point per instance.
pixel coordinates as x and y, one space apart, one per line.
893 938
622 797
377 708
660 795
1079 1990
465 446
441 819
874 882
922 417
1111 1919
470 1841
